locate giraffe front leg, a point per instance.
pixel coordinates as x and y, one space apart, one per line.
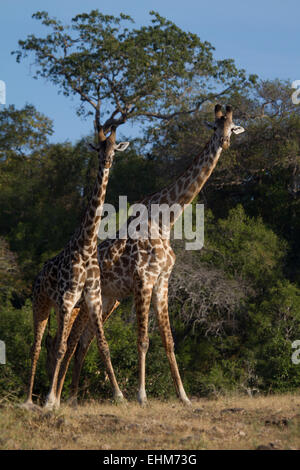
74 336
160 304
94 305
142 298
64 317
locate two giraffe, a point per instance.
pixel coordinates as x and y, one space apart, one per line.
74 273
143 267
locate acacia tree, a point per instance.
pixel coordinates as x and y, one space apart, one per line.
119 72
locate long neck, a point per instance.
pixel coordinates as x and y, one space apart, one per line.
88 232
190 183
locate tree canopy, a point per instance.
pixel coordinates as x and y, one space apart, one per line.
120 72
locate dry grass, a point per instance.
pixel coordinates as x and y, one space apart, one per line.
225 423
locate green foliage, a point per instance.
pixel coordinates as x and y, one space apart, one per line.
40 191
156 71
11 283
272 327
244 247
22 131
122 338
17 332
142 171
234 307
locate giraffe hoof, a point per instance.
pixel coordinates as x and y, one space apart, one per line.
48 406
144 404
51 406
143 401
72 401
119 400
30 406
186 402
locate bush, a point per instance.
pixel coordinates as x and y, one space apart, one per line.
17 332
122 338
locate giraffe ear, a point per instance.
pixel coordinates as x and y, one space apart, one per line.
210 125
121 146
238 129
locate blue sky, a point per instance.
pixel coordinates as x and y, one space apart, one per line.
261 36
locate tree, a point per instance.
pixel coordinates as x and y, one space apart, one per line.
206 299
271 140
157 71
245 248
41 187
10 277
240 260
271 328
22 131
144 178
261 170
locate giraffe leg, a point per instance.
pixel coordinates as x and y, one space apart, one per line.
40 318
74 336
51 342
80 353
84 344
94 304
50 357
160 304
142 298
64 317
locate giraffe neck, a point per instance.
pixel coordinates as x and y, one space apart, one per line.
88 231
190 183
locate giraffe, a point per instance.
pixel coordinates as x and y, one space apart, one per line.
72 273
143 267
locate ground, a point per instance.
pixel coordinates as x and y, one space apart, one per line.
271 422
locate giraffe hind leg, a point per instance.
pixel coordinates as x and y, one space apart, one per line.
142 298
41 312
160 304
83 345
80 353
94 305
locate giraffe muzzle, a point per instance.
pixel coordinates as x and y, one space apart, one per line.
108 161
225 143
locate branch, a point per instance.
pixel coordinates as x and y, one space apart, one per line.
84 97
78 89
168 117
114 122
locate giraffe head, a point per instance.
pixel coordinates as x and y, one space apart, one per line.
224 126
108 146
